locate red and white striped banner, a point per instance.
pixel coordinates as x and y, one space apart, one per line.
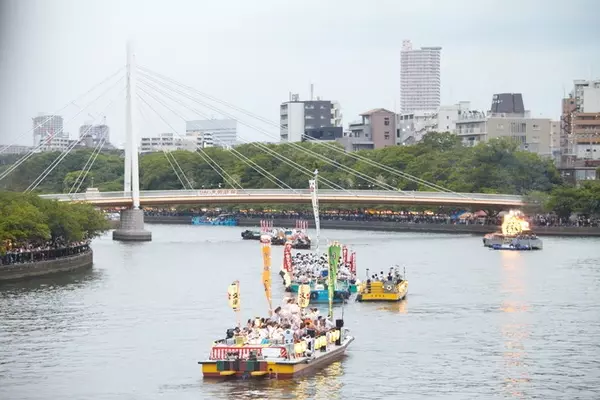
301 224
266 225
345 259
220 352
287 258
353 263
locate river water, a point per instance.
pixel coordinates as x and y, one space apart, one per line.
476 324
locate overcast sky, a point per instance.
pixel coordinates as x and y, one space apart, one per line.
253 53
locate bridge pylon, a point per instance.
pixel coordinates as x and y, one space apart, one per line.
131 228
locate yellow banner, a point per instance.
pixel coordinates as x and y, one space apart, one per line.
266 274
303 296
233 294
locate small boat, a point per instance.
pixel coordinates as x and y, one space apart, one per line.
515 235
394 289
220 220
250 235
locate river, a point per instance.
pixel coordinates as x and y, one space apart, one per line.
476 324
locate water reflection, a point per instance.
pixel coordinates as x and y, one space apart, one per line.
516 328
326 384
399 307
61 281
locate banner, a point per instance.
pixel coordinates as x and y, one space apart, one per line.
315 203
287 258
334 258
303 296
353 263
345 254
233 295
265 241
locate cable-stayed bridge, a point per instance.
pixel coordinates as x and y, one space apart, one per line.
146 92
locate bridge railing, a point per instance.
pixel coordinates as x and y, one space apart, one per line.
149 194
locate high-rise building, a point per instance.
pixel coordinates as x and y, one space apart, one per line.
220 132
93 135
319 119
48 132
419 78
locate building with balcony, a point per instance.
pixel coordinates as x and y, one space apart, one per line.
412 126
301 117
375 130
532 134
419 78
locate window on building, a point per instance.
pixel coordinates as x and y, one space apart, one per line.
386 135
386 121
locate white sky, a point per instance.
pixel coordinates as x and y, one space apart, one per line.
253 53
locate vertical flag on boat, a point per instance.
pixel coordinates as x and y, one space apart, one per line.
287 258
266 225
345 254
233 295
265 241
301 225
315 203
353 263
334 258
303 296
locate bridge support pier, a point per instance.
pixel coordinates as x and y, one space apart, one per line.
131 228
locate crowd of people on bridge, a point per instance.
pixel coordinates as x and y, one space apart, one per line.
30 253
405 217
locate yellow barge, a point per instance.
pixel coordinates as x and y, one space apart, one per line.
276 361
382 290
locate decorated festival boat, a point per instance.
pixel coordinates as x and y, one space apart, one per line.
392 288
252 352
220 220
298 237
515 234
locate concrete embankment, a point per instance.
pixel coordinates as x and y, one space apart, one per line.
392 226
15 272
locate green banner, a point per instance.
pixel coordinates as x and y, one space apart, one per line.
334 258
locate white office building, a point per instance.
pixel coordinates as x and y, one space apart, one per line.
209 132
162 142
419 78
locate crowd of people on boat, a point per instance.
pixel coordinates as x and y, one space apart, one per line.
30 253
310 267
288 325
393 275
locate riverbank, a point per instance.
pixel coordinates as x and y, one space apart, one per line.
392 226
13 272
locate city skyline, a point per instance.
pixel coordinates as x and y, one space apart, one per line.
361 73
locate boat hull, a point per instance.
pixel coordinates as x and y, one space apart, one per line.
322 296
353 288
379 295
496 240
284 369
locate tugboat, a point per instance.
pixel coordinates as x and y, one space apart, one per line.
394 289
515 235
243 354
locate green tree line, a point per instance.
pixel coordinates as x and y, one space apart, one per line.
497 166
29 219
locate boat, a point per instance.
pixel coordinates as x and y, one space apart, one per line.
394 289
515 235
221 220
250 235
234 356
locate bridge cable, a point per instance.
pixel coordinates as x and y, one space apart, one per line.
238 155
62 156
146 73
311 153
88 169
77 99
203 154
88 164
261 146
166 154
298 147
49 138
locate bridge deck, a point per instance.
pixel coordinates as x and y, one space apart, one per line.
280 196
